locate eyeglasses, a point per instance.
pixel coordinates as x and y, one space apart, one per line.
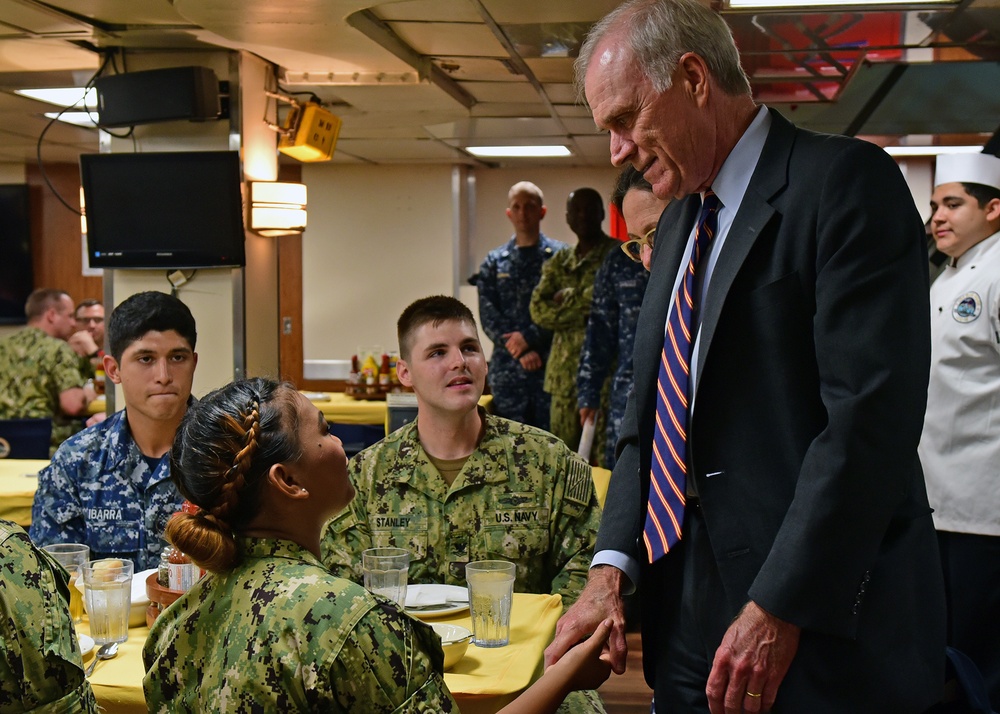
633 248
88 320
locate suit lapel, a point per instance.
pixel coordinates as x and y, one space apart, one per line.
769 177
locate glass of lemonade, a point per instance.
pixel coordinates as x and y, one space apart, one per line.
109 598
491 591
385 571
71 556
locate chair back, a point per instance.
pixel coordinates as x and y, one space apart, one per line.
25 438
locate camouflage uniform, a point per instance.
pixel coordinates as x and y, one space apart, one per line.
618 289
522 496
568 321
41 669
99 490
506 279
34 370
280 633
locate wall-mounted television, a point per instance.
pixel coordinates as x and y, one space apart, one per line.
175 209
15 253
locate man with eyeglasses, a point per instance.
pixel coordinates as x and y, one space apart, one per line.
619 286
88 340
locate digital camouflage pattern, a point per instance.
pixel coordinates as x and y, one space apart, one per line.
99 490
280 633
505 281
619 286
574 276
34 370
41 669
522 496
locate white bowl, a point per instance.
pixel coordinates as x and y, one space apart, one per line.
455 641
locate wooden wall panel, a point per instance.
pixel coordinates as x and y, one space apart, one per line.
56 242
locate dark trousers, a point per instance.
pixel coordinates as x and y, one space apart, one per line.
971 566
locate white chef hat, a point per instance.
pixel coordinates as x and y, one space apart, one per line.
968 168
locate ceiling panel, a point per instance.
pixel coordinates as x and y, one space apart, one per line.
561 93
493 128
480 69
551 69
520 92
428 11
533 11
440 38
390 151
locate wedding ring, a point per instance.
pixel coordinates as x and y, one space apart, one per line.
751 694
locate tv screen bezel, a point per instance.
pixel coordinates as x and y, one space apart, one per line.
167 257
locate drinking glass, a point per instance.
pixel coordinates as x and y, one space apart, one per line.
491 590
385 572
109 598
71 556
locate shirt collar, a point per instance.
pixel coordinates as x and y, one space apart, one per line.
975 252
730 185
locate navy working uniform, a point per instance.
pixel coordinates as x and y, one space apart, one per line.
619 286
100 490
41 669
505 282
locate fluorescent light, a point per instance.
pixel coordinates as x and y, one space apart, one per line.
277 208
62 96
931 150
78 118
796 4
528 151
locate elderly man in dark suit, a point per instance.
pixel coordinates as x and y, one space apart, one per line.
767 500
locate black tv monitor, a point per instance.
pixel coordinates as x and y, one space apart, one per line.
15 253
164 210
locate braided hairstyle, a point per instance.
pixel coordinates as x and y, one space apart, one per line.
220 458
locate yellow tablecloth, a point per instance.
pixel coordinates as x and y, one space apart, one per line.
483 681
117 682
18 482
339 408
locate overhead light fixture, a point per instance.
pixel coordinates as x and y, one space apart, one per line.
519 151
931 150
805 4
277 208
63 96
78 118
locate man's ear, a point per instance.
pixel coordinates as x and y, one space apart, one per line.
111 369
993 209
692 70
403 373
545 209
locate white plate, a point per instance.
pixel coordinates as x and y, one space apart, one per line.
317 396
434 597
86 644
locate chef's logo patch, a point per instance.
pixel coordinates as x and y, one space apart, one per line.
968 307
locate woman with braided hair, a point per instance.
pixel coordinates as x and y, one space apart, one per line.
270 628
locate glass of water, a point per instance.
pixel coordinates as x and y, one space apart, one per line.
491 591
109 598
385 572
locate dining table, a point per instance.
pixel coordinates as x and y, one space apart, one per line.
341 408
18 483
482 682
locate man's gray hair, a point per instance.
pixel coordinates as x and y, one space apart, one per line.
658 32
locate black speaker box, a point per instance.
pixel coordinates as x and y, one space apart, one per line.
158 95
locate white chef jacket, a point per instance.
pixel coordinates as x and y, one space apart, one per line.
960 445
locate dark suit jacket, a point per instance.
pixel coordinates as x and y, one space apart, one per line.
812 378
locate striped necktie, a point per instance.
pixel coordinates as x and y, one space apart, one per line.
668 472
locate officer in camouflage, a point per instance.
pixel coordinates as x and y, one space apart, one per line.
619 286
258 460
561 303
458 485
40 664
39 372
109 486
505 281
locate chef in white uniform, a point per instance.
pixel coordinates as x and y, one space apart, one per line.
960 445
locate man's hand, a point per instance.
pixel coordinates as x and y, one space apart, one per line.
753 659
515 343
531 361
600 600
83 343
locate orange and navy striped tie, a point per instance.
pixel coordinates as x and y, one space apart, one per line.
668 472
